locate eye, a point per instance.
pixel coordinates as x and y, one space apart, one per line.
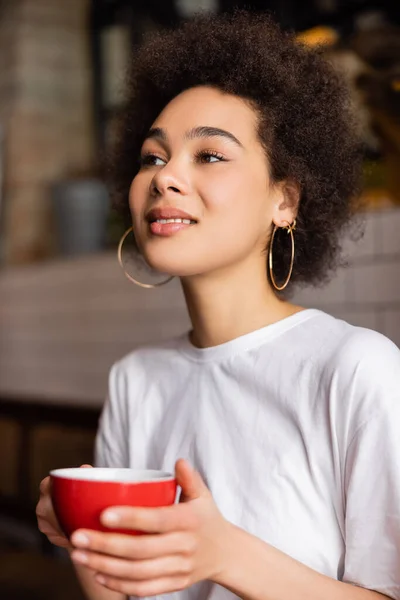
209 156
151 160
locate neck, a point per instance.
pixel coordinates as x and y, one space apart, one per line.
224 306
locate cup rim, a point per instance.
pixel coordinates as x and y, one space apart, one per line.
110 475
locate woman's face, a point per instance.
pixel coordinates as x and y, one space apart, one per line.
202 200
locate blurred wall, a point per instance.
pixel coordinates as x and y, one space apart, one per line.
46 110
367 292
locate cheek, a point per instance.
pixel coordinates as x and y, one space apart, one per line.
238 200
224 196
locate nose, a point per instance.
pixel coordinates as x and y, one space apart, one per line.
167 180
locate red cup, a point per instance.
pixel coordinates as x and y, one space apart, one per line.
79 495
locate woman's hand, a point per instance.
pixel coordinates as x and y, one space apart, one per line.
47 521
185 543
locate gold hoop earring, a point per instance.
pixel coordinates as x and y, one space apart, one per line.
132 279
290 229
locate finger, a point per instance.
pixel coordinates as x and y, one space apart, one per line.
44 507
47 528
144 589
54 535
56 540
151 520
44 486
86 467
133 570
47 521
45 512
52 532
134 547
189 480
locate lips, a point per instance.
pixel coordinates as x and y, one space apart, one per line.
167 213
168 221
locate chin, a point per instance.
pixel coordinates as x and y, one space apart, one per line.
169 263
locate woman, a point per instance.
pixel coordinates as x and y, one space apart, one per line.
290 417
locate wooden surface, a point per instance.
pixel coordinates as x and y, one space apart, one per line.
64 323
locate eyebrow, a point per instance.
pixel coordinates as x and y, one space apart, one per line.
195 133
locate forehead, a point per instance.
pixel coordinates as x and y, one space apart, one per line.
206 106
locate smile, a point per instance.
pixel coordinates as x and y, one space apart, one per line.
169 227
184 221
168 221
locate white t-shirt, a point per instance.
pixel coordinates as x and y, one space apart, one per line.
295 428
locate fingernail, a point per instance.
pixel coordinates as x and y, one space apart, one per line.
80 557
100 579
110 518
80 539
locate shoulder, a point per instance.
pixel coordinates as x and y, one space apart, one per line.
353 376
360 352
340 346
360 368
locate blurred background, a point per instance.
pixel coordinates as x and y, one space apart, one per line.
66 310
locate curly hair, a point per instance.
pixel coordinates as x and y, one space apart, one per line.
305 122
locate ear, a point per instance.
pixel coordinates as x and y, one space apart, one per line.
286 203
